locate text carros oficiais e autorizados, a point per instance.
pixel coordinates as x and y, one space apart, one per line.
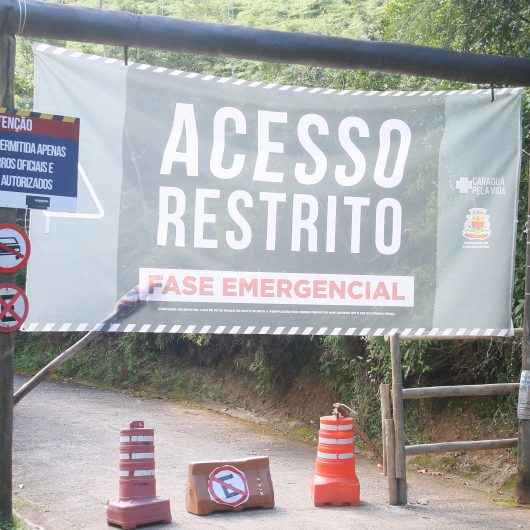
22 124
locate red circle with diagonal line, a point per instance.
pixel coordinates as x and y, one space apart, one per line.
15 248
228 485
14 307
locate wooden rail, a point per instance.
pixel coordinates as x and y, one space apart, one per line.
499 389
393 423
445 447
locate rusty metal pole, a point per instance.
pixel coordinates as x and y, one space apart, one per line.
522 489
7 340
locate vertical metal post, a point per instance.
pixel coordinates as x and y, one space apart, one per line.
7 341
523 449
399 420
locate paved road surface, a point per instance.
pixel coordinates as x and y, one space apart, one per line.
66 449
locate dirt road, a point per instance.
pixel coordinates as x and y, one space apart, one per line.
66 458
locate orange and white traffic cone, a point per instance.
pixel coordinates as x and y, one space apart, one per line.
335 482
138 504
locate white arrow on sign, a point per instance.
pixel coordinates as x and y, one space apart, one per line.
78 215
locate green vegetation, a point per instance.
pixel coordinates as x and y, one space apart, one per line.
506 496
16 525
350 368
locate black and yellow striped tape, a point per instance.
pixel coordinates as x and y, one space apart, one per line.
42 115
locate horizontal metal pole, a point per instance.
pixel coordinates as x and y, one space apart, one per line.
429 392
445 447
58 21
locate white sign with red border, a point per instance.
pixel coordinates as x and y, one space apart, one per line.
15 248
14 307
228 485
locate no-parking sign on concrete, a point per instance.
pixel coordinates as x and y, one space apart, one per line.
228 485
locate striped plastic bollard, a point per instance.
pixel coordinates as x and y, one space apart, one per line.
138 503
335 482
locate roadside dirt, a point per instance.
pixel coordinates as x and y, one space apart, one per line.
493 471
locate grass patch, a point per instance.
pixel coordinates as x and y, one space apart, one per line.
506 495
303 434
15 525
421 462
448 463
507 502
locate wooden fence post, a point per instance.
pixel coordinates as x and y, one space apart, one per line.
389 446
386 414
7 340
399 420
389 442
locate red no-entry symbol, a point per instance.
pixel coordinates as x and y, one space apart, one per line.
14 307
15 248
228 485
